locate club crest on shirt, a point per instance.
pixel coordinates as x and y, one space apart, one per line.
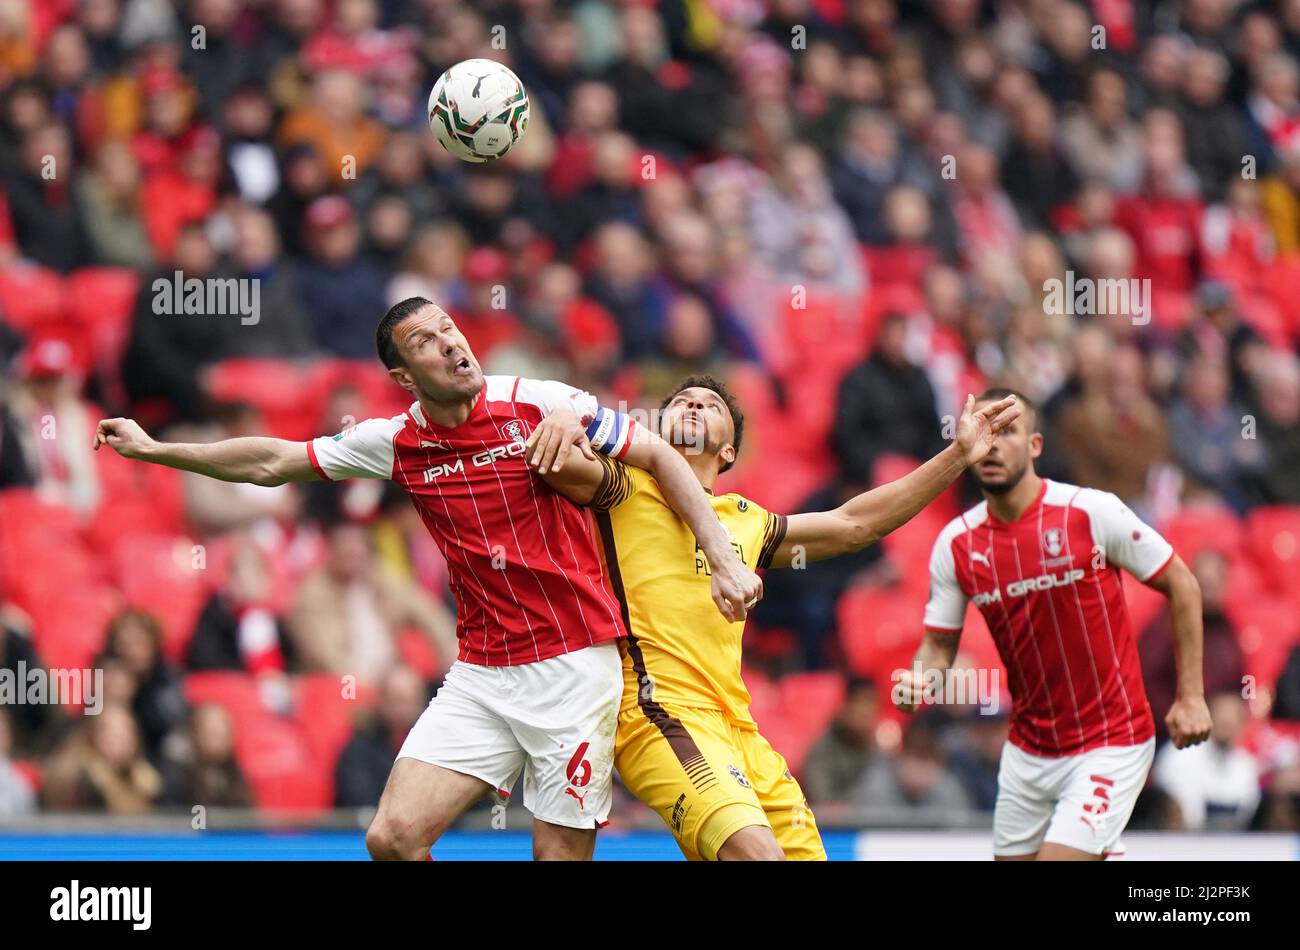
1052 541
739 776
514 430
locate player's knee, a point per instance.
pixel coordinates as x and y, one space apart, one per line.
754 843
382 841
389 840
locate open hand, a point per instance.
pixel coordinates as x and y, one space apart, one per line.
976 429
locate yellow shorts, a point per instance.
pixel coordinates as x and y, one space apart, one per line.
707 780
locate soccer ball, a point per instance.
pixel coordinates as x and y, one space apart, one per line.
478 109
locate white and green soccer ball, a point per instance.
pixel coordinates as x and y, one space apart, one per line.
478 110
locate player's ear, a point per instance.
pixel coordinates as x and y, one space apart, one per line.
728 454
1035 445
402 376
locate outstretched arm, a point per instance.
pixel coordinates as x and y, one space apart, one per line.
1189 717
261 461
868 517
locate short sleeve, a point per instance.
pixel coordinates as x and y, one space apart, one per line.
549 395
946 607
609 431
1126 540
363 451
619 483
773 534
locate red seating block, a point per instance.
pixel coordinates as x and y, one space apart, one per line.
70 628
325 716
279 765
1273 541
236 692
810 700
31 296
1267 628
276 387
418 653
101 302
1193 530
880 630
163 575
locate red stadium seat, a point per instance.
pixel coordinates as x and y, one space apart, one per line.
325 716
1267 629
136 499
880 630
70 629
1273 540
810 700
770 712
23 513
97 296
163 574
235 692
276 387
31 296
778 486
101 303
279 765
42 552
788 738
1193 530
418 653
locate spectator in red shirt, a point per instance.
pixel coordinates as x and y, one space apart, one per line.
1164 217
174 196
593 110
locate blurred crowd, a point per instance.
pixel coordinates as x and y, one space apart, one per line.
852 210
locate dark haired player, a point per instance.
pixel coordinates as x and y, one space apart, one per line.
535 687
1041 560
687 745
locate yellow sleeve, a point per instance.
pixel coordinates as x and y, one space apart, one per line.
619 483
773 534
773 531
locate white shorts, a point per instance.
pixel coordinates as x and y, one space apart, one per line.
1081 801
553 720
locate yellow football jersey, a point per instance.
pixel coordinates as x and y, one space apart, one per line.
679 649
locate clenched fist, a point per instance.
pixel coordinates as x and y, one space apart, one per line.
124 436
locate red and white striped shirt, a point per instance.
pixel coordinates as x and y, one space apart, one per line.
1049 586
524 568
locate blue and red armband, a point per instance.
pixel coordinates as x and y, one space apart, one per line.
610 432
